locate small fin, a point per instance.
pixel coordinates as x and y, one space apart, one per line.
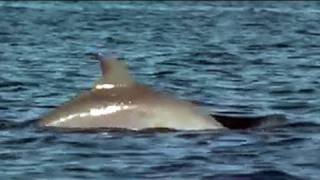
114 72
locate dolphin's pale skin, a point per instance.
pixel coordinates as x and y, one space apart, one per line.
117 101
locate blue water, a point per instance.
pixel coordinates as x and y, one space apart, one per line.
235 58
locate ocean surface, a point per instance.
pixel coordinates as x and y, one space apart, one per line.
237 59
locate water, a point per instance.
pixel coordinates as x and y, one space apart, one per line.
235 58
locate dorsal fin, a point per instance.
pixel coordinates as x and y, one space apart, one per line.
114 73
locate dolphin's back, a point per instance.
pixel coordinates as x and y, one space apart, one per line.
140 109
117 101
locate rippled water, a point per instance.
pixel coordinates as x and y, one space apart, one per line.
240 59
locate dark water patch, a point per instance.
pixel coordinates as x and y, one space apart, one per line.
6 124
3 33
210 62
13 86
161 74
1 107
302 125
80 169
309 66
94 155
78 144
261 47
180 83
306 90
171 167
280 45
195 158
261 175
225 111
256 47
287 141
47 95
305 165
283 91
298 127
21 140
119 40
214 58
212 54
10 84
16 89
157 130
291 105
315 46
227 74
175 63
189 135
307 32
5 156
296 57
254 24
107 17
261 62
49 139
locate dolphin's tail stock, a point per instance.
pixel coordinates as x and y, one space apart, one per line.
243 122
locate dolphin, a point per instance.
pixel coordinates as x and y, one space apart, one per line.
118 101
